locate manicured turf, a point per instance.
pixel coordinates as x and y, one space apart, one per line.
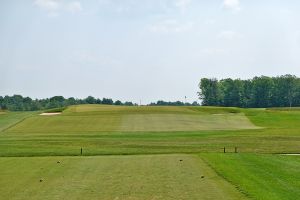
81 126
112 177
8 119
131 119
268 177
120 130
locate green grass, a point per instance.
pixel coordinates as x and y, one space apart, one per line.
268 177
175 132
106 130
112 177
8 119
131 123
99 118
54 110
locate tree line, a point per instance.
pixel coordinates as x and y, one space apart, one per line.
258 92
20 103
174 103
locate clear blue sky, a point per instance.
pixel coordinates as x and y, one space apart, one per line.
142 49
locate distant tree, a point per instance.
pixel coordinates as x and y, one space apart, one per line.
28 104
98 101
262 91
19 103
231 91
56 101
209 92
247 94
71 101
118 102
90 100
177 103
195 103
169 103
128 103
292 88
107 101
1 103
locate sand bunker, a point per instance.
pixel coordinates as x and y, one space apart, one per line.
50 114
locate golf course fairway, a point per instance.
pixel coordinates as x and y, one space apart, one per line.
150 152
112 177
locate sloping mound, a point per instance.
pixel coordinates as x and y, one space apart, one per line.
91 118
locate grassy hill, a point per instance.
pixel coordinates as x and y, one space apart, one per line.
102 130
171 153
101 118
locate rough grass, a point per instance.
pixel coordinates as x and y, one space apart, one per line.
112 177
268 177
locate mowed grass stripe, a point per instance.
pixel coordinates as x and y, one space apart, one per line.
10 119
67 124
108 109
268 177
131 119
112 177
184 122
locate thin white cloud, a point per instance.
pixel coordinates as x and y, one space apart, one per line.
182 4
229 35
54 7
74 7
232 5
119 6
170 26
49 5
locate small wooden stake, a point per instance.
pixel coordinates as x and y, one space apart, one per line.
81 151
224 150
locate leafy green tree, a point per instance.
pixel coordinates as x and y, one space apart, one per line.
262 91
257 92
247 94
195 103
291 88
231 91
1 102
98 101
56 102
71 101
209 92
90 100
107 101
128 103
118 102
